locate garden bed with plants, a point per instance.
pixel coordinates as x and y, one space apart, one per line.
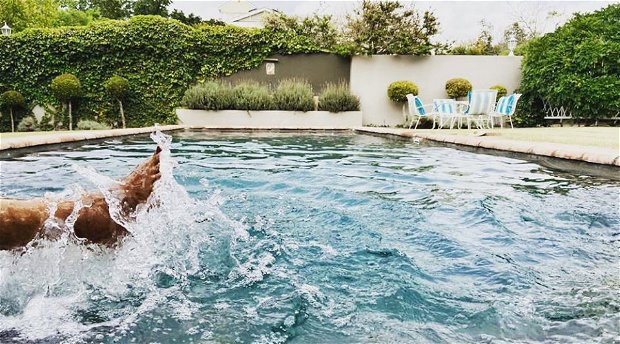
250 105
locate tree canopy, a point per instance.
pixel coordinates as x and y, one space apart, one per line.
576 67
389 27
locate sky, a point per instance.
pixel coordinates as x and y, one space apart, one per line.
459 20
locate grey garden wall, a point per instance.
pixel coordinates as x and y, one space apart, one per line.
371 75
316 68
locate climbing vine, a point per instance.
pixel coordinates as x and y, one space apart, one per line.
159 57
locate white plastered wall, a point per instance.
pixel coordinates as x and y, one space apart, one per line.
371 75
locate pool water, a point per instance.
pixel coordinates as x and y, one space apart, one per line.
319 238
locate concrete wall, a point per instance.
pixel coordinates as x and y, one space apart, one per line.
371 75
243 119
316 68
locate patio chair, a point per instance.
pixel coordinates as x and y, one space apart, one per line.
415 108
505 108
446 110
480 104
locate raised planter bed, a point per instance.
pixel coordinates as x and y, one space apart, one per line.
244 119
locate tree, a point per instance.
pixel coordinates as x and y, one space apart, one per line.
483 45
73 17
22 14
112 9
66 87
387 27
515 30
189 19
575 67
12 100
151 7
118 88
319 29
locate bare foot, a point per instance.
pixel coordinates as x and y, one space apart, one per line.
22 220
138 186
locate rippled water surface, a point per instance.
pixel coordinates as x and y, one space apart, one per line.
330 238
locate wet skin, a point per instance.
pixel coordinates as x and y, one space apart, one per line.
21 221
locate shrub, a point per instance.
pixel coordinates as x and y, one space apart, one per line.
457 87
211 95
501 90
338 98
575 67
28 123
12 100
252 96
398 90
294 95
66 87
118 88
91 125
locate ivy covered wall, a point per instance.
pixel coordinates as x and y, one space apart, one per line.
160 57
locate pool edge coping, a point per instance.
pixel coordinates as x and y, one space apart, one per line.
595 155
67 137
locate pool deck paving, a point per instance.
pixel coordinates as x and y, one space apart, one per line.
594 145
587 153
49 138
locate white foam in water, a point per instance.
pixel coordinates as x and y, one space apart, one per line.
42 288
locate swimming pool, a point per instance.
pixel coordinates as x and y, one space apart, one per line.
321 238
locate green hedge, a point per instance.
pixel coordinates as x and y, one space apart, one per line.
159 57
577 66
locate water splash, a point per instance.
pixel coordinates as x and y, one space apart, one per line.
64 274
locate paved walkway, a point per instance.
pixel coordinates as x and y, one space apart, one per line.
54 138
597 155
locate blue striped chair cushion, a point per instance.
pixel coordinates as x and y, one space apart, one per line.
481 102
505 105
445 106
419 106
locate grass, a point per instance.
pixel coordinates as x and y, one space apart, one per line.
604 137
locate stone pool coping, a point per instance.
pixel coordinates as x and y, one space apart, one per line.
596 155
55 138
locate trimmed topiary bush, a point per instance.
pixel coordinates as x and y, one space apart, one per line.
12 100
458 87
118 88
338 98
91 125
501 91
67 87
28 123
294 95
252 96
398 90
